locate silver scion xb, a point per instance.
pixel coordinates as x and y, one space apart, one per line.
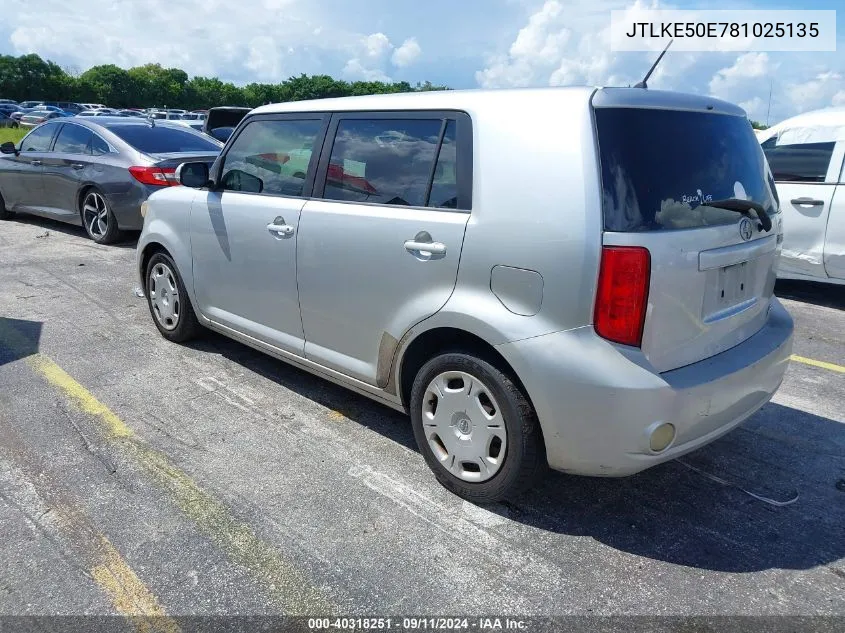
580 278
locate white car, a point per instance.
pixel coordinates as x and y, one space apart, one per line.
806 154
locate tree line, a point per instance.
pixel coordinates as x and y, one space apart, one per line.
29 77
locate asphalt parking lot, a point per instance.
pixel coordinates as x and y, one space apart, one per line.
139 476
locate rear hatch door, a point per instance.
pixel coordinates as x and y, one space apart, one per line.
664 157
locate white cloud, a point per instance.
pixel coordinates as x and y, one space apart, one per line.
377 45
371 53
747 66
406 54
268 42
754 107
563 44
264 59
839 98
355 70
822 90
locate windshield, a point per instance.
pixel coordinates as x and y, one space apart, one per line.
659 168
164 140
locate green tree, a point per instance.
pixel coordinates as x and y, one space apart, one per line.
30 77
151 85
107 84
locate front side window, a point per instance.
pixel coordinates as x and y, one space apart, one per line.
387 161
806 162
39 139
271 156
73 139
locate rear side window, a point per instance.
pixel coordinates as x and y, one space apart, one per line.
807 162
163 140
271 156
394 161
73 139
39 139
659 168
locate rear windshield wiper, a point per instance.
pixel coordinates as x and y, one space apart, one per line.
744 206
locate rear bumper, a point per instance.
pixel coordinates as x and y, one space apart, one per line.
126 205
598 405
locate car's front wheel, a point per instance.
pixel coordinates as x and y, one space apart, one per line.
476 429
168 300
98 219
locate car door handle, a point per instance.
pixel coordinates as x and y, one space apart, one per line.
283 230
35 163
435 248
807 202
77 165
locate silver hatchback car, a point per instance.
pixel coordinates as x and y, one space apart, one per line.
580 278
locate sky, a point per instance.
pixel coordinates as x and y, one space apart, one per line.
458 43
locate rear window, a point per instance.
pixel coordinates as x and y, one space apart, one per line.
163 140
659 168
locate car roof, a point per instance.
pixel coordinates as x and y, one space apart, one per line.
817 126
113 122
473 100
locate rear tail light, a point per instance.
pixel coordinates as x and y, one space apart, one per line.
623 294
160 176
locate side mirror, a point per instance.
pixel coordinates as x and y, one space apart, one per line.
192 175
9 148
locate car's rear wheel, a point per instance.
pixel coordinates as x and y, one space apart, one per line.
5 214
476 429
98 219
168 300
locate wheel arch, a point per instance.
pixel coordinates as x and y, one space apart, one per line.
84 188
421 347
159 237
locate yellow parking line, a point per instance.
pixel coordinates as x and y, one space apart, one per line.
818 363
287 585
128 594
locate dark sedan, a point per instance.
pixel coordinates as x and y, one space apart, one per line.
96 172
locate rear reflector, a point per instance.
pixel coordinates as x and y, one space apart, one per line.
622 294
160 176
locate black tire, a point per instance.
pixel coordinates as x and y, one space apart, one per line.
5 214
186 325
105 230
525 456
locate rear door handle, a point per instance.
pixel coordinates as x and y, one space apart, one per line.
807 202
35 163
77 165
283 230
435 248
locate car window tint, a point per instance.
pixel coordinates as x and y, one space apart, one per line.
39 139
382 160
660 168
807 162
73 139
163 140
444 187
276 152
98 146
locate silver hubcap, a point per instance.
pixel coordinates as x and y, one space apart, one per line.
95 214
164 296
464 426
